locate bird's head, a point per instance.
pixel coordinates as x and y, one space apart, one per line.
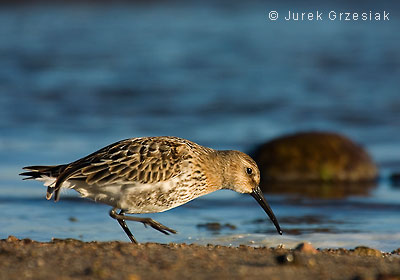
241 172
242 175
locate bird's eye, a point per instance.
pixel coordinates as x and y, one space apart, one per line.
249 170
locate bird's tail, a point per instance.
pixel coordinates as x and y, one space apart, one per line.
44 173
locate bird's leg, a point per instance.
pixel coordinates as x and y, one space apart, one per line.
146 221
122 223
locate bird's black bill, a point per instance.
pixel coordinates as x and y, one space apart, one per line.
257 194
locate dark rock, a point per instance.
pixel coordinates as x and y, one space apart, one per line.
314 157
285 258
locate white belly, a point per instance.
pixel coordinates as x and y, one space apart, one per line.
139 198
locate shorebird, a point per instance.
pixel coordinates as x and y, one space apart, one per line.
150 175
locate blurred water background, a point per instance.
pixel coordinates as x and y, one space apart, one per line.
75 77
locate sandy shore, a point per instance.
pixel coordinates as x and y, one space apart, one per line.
72 259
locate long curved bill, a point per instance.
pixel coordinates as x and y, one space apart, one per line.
258 195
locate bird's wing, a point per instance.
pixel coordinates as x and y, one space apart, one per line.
142 160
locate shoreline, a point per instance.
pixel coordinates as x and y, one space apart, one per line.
70 258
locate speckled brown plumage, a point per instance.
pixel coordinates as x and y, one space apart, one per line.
152 174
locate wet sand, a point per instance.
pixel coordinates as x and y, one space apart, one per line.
72 259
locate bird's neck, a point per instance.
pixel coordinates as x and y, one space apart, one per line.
219 170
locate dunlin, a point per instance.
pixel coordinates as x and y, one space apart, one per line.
152 174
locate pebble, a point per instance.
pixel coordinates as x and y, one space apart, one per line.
12 238
306 247
366 251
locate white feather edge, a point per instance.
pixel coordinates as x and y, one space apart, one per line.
49 181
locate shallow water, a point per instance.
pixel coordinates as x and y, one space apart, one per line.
77 77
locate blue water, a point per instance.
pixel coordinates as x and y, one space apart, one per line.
76 77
